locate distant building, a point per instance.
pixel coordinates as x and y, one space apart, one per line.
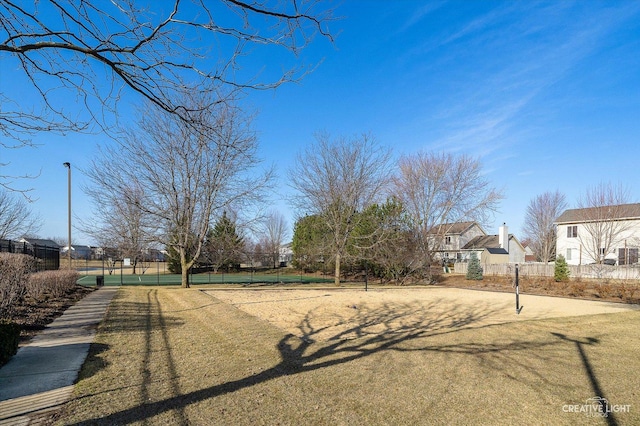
39 242
458 240
529 255
286 254
577 231
449 238
500 248
77 252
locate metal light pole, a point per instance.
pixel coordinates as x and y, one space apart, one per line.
68 166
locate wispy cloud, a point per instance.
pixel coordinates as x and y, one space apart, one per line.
487 112
420 13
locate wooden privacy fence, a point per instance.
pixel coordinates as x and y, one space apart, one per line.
627 272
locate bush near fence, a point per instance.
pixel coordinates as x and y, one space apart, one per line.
602 272
51 284
18 283
14 274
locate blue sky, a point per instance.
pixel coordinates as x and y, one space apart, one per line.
546 94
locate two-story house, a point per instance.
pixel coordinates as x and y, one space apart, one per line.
606 234
449 238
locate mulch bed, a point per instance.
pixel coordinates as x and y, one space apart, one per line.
33 316
610 291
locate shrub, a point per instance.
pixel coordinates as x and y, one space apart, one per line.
53 283
561 270
625 291
9 339
14 270
577 288
474 270
604 291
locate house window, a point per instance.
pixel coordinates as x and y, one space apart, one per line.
568 254
572 231
446 255
627 256
447 240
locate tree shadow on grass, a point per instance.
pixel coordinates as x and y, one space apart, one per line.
390 327
94 361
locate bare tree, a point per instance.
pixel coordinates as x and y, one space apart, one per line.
275 231
68 46
337 179
600 211
185 177
442 188
117 223
59 240
93 53
539 227
16 217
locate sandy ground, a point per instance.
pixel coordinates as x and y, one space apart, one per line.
330 314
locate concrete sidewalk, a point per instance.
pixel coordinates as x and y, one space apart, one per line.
40 377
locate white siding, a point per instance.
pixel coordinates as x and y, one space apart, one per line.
580 256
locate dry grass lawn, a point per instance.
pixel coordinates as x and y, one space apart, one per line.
345 357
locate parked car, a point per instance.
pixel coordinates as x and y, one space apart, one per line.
610 262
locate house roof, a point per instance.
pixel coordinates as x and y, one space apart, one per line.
452 228
40 242
620 211
77 247
483 241
498 250
488 242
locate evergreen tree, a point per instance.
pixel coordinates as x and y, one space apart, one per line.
561 270
310 236
223 246
474 270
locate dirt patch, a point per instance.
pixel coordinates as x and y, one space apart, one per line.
332 314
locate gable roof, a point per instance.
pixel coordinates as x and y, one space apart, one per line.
483 241
40 242
488 242
620 211
453 228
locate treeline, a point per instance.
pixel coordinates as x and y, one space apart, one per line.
381 245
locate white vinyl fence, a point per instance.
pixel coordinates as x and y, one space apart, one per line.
629 272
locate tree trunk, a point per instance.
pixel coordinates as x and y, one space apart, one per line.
337 271
185 277
184 267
